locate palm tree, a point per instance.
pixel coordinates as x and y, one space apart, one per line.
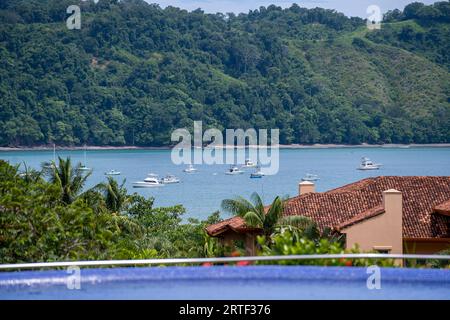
254 214
70 179
115 195
272 220
304 227
30 175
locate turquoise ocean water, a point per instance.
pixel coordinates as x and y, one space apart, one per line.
202 192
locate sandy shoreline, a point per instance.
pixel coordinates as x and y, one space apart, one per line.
291 146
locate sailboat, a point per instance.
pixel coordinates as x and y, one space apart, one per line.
190 169
83 167
52 164
257 174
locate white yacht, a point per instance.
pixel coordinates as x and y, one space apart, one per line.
257 174
113 173
367 164
169 179
249 164
190 169
149 182
234 171
310 177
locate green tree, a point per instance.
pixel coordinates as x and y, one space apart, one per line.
70 180
115 195
254 212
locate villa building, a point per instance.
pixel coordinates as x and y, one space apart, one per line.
385 214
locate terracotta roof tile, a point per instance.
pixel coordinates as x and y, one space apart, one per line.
373 212
422 196
236 224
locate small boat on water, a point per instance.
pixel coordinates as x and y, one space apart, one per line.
113 173
257 174
367 164
169 179
310 177
190 169
149 182
234 171
83 167
50 165
249 164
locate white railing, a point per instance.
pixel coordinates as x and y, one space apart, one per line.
178 261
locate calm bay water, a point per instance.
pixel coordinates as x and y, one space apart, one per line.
202 192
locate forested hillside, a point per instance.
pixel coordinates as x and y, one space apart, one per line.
134 72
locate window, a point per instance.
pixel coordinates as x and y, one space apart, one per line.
383 249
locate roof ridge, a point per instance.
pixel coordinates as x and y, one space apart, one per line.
369 213
348 187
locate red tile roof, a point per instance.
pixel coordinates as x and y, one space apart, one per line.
236 224
373 212
361 200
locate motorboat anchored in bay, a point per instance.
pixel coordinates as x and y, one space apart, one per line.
169 179
310 177
367 164
190 169
112 173
234 171
150 182
249 164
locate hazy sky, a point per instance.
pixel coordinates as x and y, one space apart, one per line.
349 7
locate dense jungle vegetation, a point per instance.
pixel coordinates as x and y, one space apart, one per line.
134 72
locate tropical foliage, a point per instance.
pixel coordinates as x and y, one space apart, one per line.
292 235
70 180
54 219
134 72
254 212
285 243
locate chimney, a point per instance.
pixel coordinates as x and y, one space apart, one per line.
306 187
393 212
392 203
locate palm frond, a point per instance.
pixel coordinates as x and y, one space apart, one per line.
238 206
274 213
253 219
300 222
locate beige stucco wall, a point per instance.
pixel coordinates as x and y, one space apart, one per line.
306 187
382 231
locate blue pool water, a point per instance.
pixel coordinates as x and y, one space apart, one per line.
202 193
222 282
